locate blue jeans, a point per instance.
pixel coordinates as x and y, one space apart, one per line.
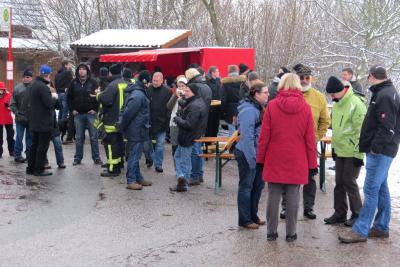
376 195
83 121
63 113
133 174
183 162
58 149
250 188
18 147
197 162
155 152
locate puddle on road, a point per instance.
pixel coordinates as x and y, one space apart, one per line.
14 184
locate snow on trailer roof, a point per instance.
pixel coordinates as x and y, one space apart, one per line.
132 38
145 55
23 43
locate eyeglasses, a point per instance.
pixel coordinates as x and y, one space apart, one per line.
305 77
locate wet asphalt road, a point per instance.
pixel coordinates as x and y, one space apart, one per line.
77 218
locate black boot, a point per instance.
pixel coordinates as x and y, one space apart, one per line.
181 186
310 214
335 219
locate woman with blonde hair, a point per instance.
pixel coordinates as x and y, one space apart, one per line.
286 149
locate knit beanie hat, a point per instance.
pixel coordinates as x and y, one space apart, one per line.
103 72
243 68
116 69
144 76
334 85
193 87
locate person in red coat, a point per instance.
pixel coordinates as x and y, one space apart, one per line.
6 121
286 149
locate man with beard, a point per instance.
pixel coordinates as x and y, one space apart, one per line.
82 103
319 108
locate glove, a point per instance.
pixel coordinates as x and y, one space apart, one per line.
334 156
312 172
358 162
177 120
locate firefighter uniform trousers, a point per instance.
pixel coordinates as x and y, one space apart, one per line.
115 150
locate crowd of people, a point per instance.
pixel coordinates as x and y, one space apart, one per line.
279 124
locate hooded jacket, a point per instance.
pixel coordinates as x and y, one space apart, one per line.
230 96
347 117
5 113
135 118
286 145
78 95
380 132
249 123
192 122
204 91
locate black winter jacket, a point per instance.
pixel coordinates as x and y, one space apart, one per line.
78 95
110 100
192 122
63 80
41 106
159 115
215 86
231 96
380 132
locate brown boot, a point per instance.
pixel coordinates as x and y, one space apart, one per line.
145 183
351 237
251 226
134 186
260 222
373 232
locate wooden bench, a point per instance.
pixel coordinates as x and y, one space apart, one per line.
221 156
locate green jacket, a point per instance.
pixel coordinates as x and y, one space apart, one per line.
347 118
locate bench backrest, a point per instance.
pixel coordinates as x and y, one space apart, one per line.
231 141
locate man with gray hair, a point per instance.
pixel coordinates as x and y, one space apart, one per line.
159 119
230 96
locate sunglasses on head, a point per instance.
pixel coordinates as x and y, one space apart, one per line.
305 77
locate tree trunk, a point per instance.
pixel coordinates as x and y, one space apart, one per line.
210 6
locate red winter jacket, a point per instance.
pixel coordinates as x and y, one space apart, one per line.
286 144
5 112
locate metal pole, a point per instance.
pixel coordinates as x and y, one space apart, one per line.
10 82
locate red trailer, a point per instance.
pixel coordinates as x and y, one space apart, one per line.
174 61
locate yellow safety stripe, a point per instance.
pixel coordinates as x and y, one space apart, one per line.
110 129
109 159
121 89
97 123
